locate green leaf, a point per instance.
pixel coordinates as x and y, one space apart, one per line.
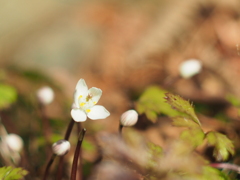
152 115
8 95
212 173
152 103
182 105
208 173
184 122
194 136
233 100
223 145
10 173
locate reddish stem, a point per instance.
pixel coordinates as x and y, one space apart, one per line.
61 160
46 128
76 155
226 166
48 166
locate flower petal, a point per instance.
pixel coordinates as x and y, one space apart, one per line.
78 115
95 93
98 112
81 85
81 90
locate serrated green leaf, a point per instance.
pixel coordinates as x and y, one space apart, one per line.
182 105
222 145
10 173
184 122
8 95
152 103
194 136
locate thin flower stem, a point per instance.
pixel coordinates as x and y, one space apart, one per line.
226 166
45 122
69 130
120 128
80 155
48 166
76 155
67 135
45 128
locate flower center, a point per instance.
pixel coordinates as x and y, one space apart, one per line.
86 102
89 96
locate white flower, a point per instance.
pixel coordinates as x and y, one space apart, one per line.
190 68
129 118
45 95
13 142
85 101
10 147
61 147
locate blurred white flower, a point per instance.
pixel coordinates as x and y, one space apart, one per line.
190 68
10 147
129 118
85 101
61 147
13 142
45 95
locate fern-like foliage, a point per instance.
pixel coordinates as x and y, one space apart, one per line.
223 146
152 103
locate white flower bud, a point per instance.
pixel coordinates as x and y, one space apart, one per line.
129 118
45 95
190 68
13 141
61 147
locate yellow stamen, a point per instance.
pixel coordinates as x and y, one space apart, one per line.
80 97
94 102
82 104
88 110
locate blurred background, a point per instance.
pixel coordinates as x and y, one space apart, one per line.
121 47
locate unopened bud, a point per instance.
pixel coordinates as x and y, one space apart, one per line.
14 142
190 68
129 118
61 147
45 95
